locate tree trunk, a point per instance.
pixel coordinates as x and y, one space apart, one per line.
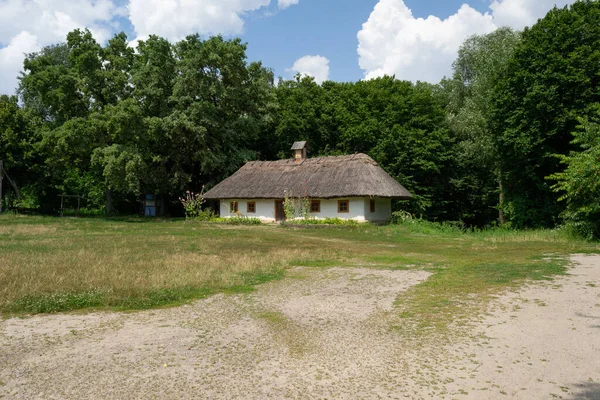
162 206
501 199
108 203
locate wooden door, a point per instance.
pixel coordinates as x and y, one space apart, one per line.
279 211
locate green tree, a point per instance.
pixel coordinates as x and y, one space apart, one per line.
482 63
400 124
579 183
551 80
220 105
77 89
18 146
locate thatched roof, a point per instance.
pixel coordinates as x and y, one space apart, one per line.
321 177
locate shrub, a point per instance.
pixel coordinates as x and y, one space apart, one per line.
238 221
205 215
324 221
401 216
192 204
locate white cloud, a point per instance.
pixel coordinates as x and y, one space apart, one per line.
521 13
315 66
394 42
26 25
175 19
282 4
51 20
11 60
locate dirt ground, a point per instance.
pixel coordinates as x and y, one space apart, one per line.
318 333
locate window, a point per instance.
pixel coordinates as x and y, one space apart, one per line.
315 206
343 206
233 207
251 207
372 205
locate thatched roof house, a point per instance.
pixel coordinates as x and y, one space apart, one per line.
351 179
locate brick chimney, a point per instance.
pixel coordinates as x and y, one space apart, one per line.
300 150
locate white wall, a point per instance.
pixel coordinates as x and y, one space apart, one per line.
329 209
360 209
265 209
383 210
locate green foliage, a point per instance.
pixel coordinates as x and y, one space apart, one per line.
110 123
322 221
122 167
401 217
304 207
289 206
551 81
482 62
295 207
241 220
192 205
400 124
579 183
427 227
57 301
155 121
204 215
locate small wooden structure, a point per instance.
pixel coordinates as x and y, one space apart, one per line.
62 203
153 205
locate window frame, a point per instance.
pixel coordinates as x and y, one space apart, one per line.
318 204
372 204
234 207
340 211
253 204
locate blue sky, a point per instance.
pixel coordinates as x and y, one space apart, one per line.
327 28
342 40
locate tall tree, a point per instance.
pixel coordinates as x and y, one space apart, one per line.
76 88
551 81
400 124
219 107
482 62
579 184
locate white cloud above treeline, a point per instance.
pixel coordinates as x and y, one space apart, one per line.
27 25
315 66
394 42
175 19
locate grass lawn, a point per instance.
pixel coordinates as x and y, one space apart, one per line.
57 264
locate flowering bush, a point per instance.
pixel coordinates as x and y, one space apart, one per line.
289 206
295 206
192 204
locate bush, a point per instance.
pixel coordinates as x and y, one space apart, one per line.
401 216
427 227
192 204
324 221
205 215
237 221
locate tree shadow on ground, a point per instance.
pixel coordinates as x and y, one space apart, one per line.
586 391
589 317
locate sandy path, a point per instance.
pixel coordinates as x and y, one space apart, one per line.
319 333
